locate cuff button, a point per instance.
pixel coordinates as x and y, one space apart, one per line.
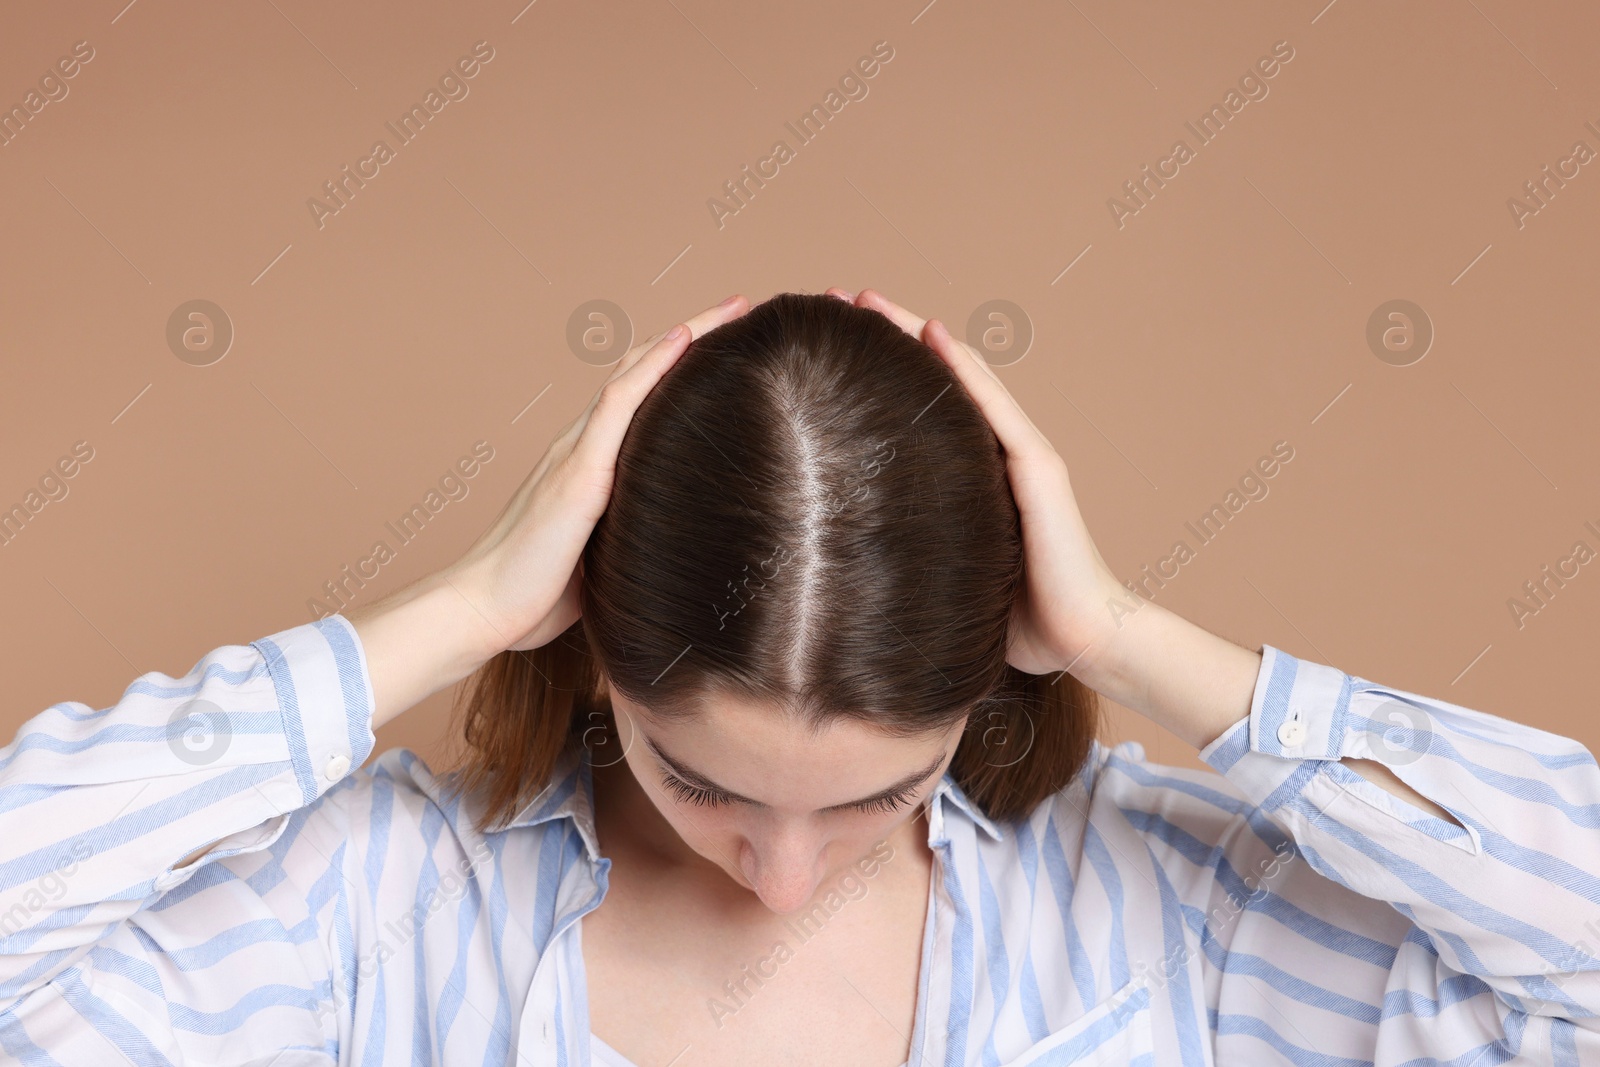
336 766
1292 733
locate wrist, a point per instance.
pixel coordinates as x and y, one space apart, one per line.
421 639
1110 660
1174 672
483 633
1114 663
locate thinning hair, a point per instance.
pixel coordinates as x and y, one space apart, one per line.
809 512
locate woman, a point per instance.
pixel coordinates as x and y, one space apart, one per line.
780 750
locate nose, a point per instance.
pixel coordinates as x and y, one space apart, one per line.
784 868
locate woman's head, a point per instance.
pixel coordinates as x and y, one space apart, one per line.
795 608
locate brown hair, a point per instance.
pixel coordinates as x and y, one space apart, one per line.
808 511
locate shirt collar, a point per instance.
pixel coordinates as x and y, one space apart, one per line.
570 794
947 788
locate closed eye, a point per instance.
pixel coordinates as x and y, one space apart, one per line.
693 794
884 804
712 798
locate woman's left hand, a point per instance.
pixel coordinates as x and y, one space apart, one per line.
1063 615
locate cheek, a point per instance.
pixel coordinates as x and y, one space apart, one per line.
856 837
875 828
853 835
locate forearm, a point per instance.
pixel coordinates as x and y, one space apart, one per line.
1197 685
1173 672
420 639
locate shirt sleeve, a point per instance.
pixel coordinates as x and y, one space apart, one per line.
98 809
1504 899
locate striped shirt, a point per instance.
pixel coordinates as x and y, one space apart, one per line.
1277 908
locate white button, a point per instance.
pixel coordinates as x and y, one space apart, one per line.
337 765
1292 733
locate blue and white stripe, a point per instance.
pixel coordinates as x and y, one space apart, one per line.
1277 909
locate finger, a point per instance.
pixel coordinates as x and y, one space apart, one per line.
843 294
1017 433
652 349
871 298
1011 424
698 324
630 384
613 406
981 382
713 317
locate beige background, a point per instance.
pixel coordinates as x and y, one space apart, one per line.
431 311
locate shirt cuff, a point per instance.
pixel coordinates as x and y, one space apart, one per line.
319 673
1300 713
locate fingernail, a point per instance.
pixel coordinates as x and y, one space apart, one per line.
730 301
674 333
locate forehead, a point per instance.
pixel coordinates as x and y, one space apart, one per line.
769 754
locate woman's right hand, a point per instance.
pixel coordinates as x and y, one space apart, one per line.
517 586
523 573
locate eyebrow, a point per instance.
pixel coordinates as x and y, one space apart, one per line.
700 781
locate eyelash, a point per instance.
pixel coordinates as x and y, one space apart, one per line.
892 802
693 794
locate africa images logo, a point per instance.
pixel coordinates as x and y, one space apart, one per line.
1253 86
452 87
